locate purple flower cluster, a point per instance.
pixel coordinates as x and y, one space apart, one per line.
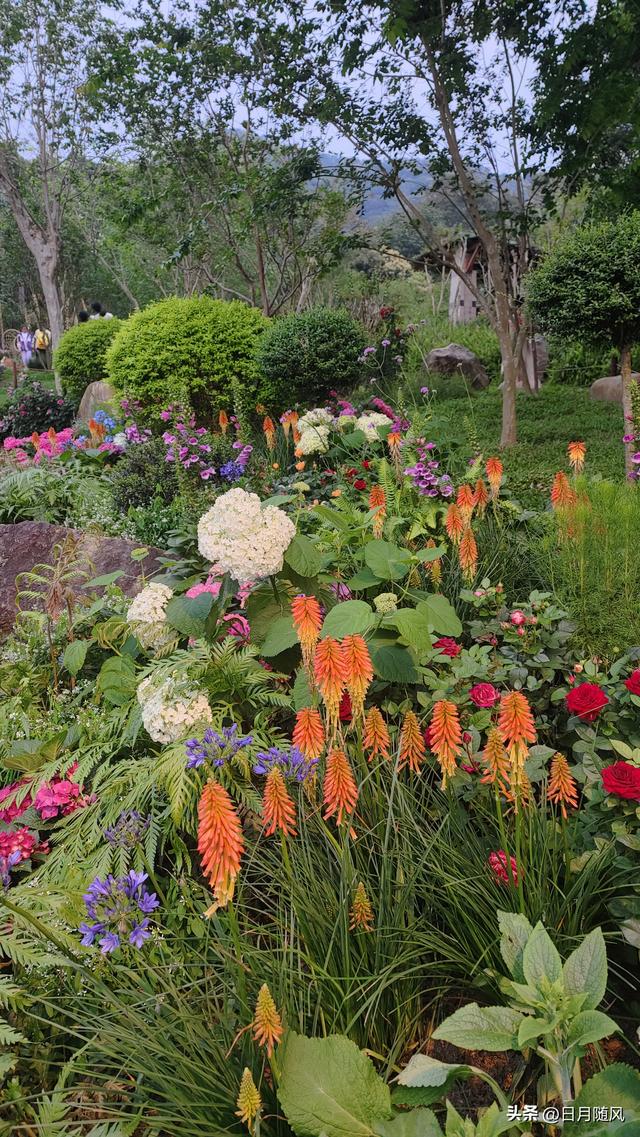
6 864
292 763
234 469
134 435
119 908
216 748
188 447
426 475
128 830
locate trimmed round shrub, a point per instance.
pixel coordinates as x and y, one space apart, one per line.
80 357
143 475
34 407
192 351
309 355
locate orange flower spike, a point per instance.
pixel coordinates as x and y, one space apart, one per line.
495 470
468 554
340 792
495 759
289 420
278 810
220 841
361 915
267 1024
412 745
358 671
516 725
269 432
378 501
307 620
481 496
35 440
563 496
446 737
308 733
249 1102
330 678
466 500
454 523
223 421
434 568
562 788
577 453
375 740
394 441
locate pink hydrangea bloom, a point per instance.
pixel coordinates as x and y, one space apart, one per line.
12 811
209 585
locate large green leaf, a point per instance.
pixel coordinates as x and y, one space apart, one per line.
301 692
329 1088
187 614
263 607
386 560
74 656
441 615
364 578
413 626
352 617
481 1028
515 930
540 959
394 664
280 636
415 1123
585 970
617 1086
117 680
425 1080
590 1026
303 557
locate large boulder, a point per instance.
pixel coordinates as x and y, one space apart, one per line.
609 389
454 359
98 394
31 543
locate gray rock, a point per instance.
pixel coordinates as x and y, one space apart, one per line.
454 359
31 543
609 389
98 394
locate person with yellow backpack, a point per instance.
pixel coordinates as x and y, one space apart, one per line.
42 343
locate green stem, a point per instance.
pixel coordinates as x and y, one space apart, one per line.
519 869
152 877
503 837
565 843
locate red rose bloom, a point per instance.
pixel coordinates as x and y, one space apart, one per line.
622 779
586 701
359 484
448 646
345 711
484 695
633 682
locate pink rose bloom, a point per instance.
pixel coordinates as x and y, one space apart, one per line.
517 618
484 695
209 585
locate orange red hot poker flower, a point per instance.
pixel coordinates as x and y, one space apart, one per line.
517 728
468 554
329 672
223 421
340 792
269 432
375 741
220 841
562 788
307 621
308 733
278 810
481 496
495 470
454 523
563 495
577 453
267 1024
358 671
445 737
378 501
465 501
412 746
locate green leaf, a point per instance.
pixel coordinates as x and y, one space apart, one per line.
481 1028
540 959
530 1029
352 617
417 1123
278 499
585 970
303 557
515 931
364 578
386 560
441 615
618 1085
394 664
117 680
590 1026
280 636
74 656
413 626
108 578
333 516
329 1088
301 692
425 1080
426 555
188 614
263 608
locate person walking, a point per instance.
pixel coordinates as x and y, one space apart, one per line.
42 341
24 344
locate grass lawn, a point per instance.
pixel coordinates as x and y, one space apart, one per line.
546 423
6 382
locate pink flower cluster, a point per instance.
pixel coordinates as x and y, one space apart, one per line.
58 797
47 445
21 841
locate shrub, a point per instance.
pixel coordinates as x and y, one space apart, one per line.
143 475
80 357
308 355
191 351
34 407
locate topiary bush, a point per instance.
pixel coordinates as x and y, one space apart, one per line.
34 407
308 355
80 357
143 475
191 351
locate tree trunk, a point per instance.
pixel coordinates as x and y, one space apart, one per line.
627 408
509 435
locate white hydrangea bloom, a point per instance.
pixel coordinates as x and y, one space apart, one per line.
318 416
169 711
147 615
243 538
385 602
314 440
370 422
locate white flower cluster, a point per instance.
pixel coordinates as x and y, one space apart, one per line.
385 602
318 416
243 538
314 440
147 616
169 711
369 423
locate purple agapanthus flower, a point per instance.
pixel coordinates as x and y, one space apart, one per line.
115 907
128 830
216 748
340 590
292 763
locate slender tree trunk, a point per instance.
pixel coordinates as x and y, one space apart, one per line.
627 408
